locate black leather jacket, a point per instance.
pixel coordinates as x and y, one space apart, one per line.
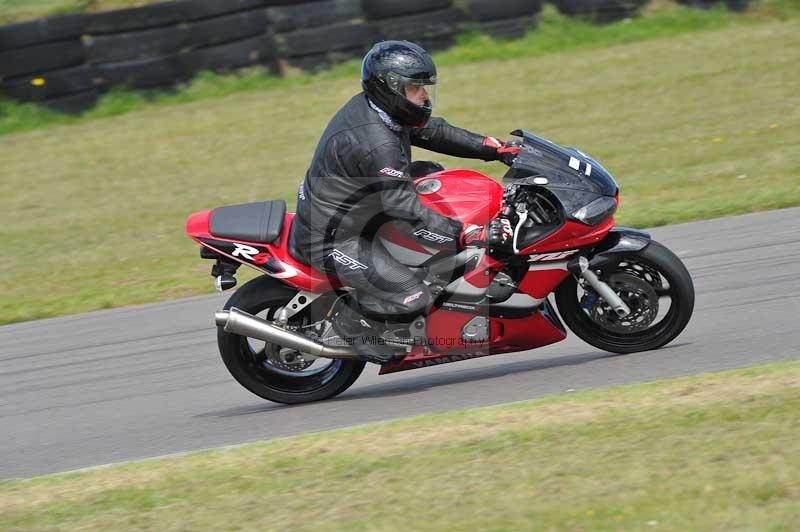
359 177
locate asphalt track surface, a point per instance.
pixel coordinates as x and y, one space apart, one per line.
144 381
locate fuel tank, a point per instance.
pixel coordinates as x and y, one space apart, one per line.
467 195
470 196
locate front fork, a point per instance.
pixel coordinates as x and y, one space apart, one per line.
580 267
619 240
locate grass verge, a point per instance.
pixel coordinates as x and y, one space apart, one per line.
693 126
711 452
555 34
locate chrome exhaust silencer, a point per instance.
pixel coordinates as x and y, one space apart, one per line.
238 322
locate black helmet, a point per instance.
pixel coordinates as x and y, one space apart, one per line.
391 66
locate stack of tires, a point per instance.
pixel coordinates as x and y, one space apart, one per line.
314 34
509 19
160 45
600 11
433 24
136 47
733 5
42 61
224 36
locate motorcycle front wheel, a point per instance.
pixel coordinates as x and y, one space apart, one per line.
270 371
655 285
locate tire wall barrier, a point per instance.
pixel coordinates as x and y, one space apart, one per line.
600 11
513 21
733 5
66 62
433 24
315 34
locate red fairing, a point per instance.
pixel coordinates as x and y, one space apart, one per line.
539 283
294 273
419 358
483 274
470 196
444 330
571 235
507 336
525 333
308 278
198 223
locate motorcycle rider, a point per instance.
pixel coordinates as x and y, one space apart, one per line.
360 177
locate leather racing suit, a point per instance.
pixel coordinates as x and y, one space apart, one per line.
359 180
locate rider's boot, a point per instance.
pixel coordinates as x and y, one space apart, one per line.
352 329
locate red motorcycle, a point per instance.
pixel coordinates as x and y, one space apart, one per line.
550 229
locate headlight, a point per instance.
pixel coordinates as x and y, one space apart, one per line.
596 211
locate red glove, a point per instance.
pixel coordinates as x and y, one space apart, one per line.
473 235
506 151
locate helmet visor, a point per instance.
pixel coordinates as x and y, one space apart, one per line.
420 92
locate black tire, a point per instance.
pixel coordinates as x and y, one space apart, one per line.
228 28
49 84
135 45
700 4
134 18
383 9
259 50
312 63
41 58
74 103
488 10
425 26
434 44
312 15
200 9
680 288
40 31
737 5
508 29
253 371
344 36
142 73
600 11
319 62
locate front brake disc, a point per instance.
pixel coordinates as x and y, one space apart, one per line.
642 271
638 294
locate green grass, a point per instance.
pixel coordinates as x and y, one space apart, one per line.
711 452
693 126
555 34
16 117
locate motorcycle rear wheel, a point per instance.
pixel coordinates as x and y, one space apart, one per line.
644 279
257 369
